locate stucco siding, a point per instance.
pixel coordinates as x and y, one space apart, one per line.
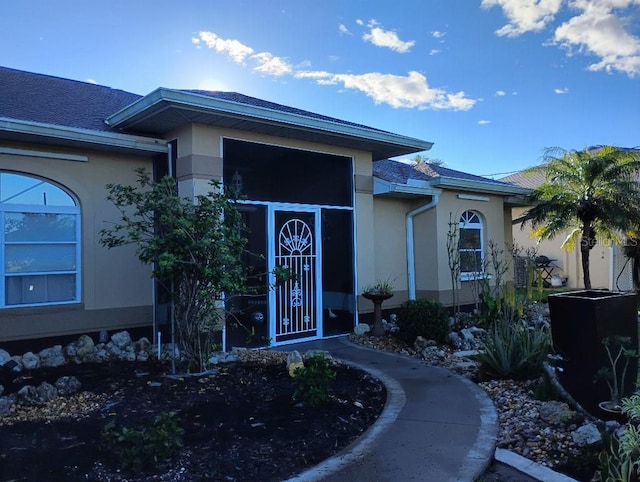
110 279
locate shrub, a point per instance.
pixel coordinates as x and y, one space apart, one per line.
426 318
514 350
314 381
140 448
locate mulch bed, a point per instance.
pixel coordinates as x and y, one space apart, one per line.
240 424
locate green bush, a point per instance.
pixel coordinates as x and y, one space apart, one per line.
314 381
426 318
514 350
141 448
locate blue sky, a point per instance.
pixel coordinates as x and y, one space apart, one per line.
491 83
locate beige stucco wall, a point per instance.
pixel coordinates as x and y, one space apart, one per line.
433 276
390 248
569 261
115 287
430 229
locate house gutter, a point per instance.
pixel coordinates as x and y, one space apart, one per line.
411 268
503 189
86 136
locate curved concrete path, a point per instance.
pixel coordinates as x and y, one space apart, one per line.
436 425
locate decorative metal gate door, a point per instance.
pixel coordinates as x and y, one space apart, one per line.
295 251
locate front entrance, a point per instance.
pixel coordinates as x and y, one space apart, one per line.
298 207
295 252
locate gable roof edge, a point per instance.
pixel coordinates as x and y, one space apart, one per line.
151 103
483 186
75 134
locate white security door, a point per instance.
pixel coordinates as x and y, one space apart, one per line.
296 299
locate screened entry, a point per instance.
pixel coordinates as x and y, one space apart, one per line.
298 210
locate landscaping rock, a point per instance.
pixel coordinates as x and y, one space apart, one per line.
294 361
361 329
30 395
30 361
587 435
52 357
558 413
121 339
1 390
71 350
421 343
4 356
455 340
5 405
68 385
86 348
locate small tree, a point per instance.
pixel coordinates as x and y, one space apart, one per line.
453 257
195 247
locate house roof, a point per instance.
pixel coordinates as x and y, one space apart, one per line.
530 180
406 179
165 110
533 179
63 111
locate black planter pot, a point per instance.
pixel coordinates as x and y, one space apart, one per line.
579 322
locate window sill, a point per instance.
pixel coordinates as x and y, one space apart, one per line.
474 276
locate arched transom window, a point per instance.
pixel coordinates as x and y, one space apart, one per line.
40 256
470 245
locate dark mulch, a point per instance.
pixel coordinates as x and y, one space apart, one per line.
240 424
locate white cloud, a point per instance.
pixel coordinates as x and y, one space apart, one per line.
271 65
92 81
411 91
524 15
305 64
601 28
601 31
437 34
265 62
359 22
561 91
434 51
333 58
232 48
500 93
344 30
386 38
484 122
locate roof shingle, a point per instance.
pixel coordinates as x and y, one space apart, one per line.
53 100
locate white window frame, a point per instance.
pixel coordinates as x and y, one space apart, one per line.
466 221
40 209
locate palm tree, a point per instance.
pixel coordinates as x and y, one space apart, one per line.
594 194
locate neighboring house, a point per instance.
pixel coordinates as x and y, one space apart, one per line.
322 198
609 268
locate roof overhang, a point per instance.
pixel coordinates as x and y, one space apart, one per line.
26 131
514 195
165 110
384 188
478 186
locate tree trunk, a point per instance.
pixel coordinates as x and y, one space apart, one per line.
585 248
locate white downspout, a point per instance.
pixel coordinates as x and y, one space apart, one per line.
411 268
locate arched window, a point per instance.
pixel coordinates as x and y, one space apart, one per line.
40 256
470 245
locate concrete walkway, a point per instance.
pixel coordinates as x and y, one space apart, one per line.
436 425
